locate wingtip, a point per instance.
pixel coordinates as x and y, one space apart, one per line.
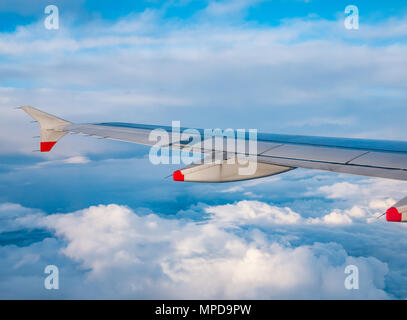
178 176
47 146
393 215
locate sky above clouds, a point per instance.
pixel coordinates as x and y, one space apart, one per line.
112 222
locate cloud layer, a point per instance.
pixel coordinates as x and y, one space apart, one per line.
148 256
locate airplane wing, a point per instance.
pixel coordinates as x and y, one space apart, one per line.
275 153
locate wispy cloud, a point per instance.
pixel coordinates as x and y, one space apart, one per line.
148 69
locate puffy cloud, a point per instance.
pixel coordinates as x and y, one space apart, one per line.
238 249
372 189
14 216
151 256
242 249
367 199
345 217
332 218
255 212
341 190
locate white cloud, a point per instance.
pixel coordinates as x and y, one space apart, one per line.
365 200
14 216
372 189
382 205
356 212
333 218
341 190
149 256
229 7
233 189
253 212
76 160
368 198
70 160
252 195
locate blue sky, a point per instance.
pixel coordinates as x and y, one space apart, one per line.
112 222
260 12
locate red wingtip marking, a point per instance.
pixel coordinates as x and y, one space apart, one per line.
393 214
47 146
178 176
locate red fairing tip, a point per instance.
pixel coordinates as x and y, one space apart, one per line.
47 146
393 214
178 176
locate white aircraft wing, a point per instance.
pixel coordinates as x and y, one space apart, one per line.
375 158
274 153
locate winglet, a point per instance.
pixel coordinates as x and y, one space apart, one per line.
52 128
178 176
